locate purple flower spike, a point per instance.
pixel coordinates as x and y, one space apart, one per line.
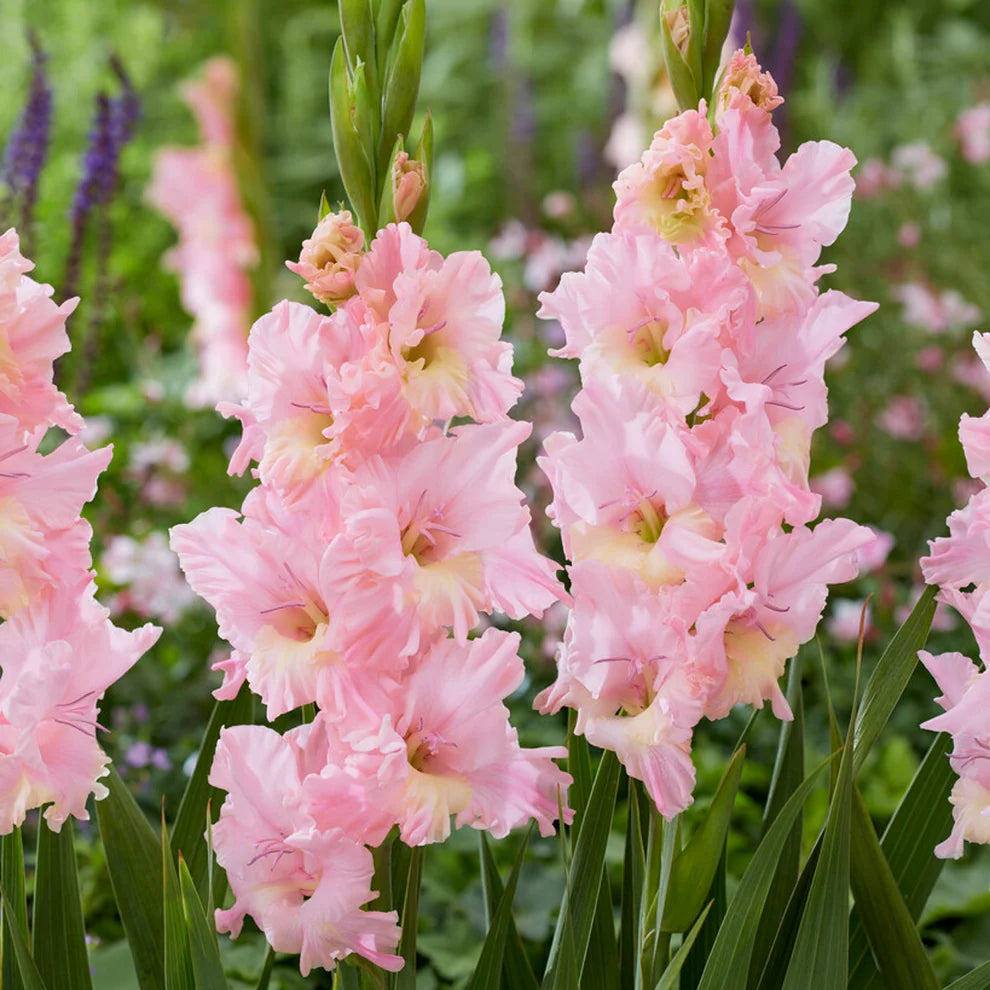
26 150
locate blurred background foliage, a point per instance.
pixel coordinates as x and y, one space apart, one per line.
524 97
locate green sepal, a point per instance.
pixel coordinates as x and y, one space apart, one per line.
401 82
682 80
356 167
695 865
357 28
325 208
718 16
424 154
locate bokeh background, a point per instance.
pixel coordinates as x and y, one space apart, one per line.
535 103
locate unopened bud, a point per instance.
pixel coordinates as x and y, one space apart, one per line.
744 83
330 258
408 185
679 25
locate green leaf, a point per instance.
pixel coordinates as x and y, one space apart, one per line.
27 974
515 965
788 772
134 862
357 169
820 958
633 875
188 833
891 930
891 675
579 767
207 966
402 74
731 953
601 965
406 978
488 974
12 881
59 930
577 912
178 956
669 979
695 865
922 819
694 965
266 970
978 979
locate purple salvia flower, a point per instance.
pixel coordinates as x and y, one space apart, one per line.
26 150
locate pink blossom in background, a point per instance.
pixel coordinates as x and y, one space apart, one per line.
903 418
60 650
873 555
929 358
875 176
835 486
973 131
909 235
933 311
843 623
919 165
702 341
959 565
196 188
148 571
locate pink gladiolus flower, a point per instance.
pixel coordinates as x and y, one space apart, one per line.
32 336
444 320
960 565
196 188
304 887
684 505
60 654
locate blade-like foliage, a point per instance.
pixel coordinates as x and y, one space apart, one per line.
207 967
405 979
27 974
188 831
12 882
59 930
669 979
515 965
922 819
178 956
891 929
731 953
134 861
577 912
488 974
695 865
891 675
978 979
633 875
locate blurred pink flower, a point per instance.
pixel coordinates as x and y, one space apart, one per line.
903 418
918 164
973 131
835 486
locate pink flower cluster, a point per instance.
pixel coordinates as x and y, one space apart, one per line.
196 188
59 650
352 580
702 340
960 565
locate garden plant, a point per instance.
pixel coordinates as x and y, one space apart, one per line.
448 539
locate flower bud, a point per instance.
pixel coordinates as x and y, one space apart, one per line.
679 25
330 258
743 81
408 185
